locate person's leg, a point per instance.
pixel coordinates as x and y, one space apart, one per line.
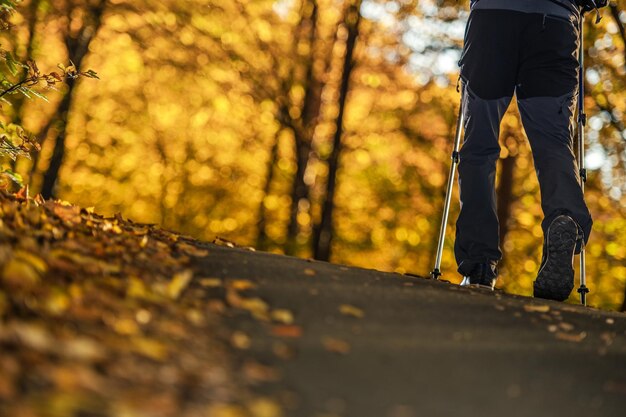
488 70
546 91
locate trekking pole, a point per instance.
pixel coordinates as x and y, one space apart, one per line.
582 122
436 272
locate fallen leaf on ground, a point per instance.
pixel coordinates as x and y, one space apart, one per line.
258 372
57 302
224 242
69 214
288 331
571 337
125 326
192 249
264 407
111 226
210 282
83 349
309 271
150 348
23 270
537 308
336 345
350 310
241 284
90 264
257 307
179 282
282 316
240 340
136 288
33 336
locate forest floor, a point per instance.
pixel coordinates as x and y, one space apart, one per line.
107 317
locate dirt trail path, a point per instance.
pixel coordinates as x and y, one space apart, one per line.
369 344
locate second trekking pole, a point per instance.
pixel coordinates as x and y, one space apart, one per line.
582 122
436 272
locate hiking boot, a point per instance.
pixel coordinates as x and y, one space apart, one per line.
555 280
482 276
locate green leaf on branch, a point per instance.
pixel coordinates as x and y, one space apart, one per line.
26 91
13 64
13 176
90 74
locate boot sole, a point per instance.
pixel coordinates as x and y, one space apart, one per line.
555 280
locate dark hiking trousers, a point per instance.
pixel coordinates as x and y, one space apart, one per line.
535 57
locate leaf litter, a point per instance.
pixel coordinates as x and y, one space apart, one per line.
97 312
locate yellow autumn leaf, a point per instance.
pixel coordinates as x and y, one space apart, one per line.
192 250
282 316
179 282
24 270
571 337
257 307
335 345
350 310
84 349
109 226
126 326
537 308
264 407
135 288
150 348
35 261
210 282
241 284
240 340
57 302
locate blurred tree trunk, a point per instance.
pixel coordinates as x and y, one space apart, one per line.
77 45
262 238
323 232
303 131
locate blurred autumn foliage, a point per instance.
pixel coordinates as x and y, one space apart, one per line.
308 127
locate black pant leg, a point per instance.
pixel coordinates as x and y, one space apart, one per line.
547 92
488 69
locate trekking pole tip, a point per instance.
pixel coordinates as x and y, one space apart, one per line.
435 274
583 291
